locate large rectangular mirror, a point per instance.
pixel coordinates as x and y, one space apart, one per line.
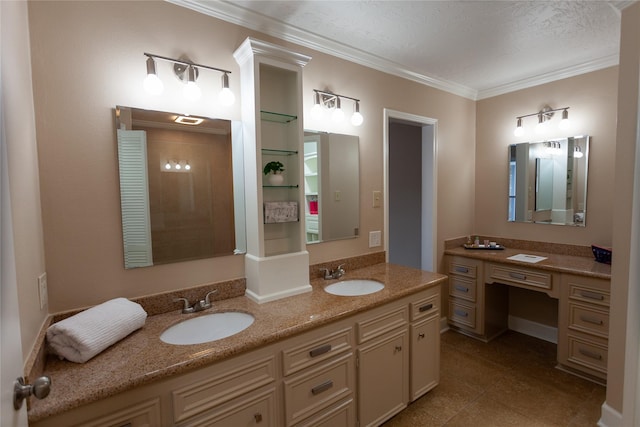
331 185
548 181
181 187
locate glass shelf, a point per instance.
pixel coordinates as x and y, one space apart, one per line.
274 152
280 186
270 116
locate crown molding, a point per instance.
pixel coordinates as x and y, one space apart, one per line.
229 12
587 67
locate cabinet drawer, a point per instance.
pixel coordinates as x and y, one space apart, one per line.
314 351
522 277
588 354
311 391
462 314
579 291
342 414
425 307
382 323
255 409
463 267
145 414
589 319
218 389
462 287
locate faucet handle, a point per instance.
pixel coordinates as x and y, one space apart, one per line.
206 298
185 308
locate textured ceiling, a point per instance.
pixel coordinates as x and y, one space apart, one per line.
472 48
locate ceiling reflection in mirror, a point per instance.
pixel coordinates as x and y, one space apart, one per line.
331 185
548 181
181 187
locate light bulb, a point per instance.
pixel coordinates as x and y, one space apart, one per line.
357 118
152 84
167 166
338 114
519 130
191 90
540 126
226 96
577 152
178 167
316 110
565 123
187 167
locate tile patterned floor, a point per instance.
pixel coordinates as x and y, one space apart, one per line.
511 381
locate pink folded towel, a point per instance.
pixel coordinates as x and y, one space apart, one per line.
80 337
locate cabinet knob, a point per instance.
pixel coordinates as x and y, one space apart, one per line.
398 348
420 336
258 417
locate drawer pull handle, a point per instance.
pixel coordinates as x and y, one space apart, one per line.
461 313
320 350
420 336
425 307
592 295
398 348
459 269
590 354
322 387
258 417
519 276
592 320
461 288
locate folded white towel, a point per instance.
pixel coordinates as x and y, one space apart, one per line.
80 337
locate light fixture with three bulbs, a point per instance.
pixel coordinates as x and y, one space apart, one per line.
543 116
187 71
323 100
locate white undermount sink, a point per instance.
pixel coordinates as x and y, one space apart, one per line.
354 287
206 328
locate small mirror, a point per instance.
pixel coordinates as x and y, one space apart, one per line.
548 181
331 185
179 200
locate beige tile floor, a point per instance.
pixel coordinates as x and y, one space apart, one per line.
511 381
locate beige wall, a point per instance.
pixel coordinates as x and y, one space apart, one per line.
19 131
88 57
593 101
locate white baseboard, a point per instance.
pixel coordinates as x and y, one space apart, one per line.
534 329
444 325
609 417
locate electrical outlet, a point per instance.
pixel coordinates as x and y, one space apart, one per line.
42 290
375 238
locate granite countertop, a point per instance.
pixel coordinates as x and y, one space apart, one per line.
562 263
142 358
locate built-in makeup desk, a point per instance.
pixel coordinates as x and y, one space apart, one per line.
479 282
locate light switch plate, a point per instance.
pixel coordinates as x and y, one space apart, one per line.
377 199
375 238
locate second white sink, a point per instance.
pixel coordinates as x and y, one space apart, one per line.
354 287
206 328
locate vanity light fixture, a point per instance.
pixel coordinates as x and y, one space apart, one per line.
329 100
188 72
176 166
577 152
543 115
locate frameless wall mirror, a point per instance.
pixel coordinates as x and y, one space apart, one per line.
181 187
548 181
331 186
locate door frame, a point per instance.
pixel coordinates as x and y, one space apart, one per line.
429 182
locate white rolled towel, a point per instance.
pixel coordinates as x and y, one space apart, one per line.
80 337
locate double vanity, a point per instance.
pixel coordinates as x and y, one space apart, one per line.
310 359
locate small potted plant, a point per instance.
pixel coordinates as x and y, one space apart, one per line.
274 170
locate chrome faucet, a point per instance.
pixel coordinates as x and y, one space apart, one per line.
335 274
203 304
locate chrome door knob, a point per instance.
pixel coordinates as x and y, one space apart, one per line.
39 389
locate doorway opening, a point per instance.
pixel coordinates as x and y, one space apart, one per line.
411 188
